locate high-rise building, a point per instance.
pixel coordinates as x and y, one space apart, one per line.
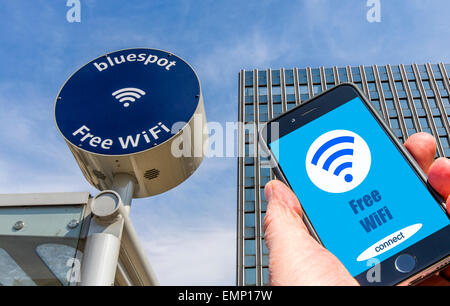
411 98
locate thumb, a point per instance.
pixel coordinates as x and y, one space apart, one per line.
278 193
295 257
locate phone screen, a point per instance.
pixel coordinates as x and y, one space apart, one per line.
360 194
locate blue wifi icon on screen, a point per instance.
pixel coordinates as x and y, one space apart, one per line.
329 145
338 161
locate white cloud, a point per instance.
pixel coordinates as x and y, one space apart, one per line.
189 232
202 254
222 63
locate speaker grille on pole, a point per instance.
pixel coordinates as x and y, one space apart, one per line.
151 174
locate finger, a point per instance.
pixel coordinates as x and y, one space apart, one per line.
278 194
446 272
295 258
434 280
439 178
422 147
448 206
276 190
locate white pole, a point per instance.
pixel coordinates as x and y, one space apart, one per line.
124 184
99 263
102 249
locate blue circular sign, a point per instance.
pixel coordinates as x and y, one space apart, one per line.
127 101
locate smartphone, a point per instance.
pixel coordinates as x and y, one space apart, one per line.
364 197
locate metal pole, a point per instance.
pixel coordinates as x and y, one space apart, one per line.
100 260
135 254
105 232
123 184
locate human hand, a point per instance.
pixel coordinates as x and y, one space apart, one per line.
296 258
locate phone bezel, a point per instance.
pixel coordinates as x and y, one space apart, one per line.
314 108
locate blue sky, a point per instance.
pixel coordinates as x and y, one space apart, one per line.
188 232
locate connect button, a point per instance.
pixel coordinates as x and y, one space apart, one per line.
389 242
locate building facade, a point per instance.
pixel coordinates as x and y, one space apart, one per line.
411 98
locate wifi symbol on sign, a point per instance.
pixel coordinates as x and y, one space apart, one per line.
128 95
338 161
329 145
